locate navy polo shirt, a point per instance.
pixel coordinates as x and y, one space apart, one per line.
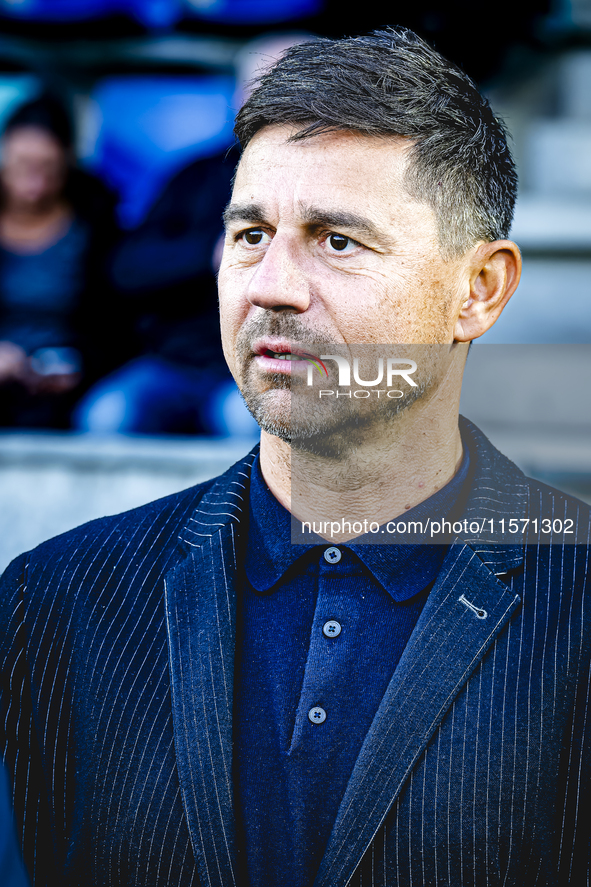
322 628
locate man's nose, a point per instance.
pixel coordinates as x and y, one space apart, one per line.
280 282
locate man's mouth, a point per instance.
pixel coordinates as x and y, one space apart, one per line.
279 357
278 362
283 355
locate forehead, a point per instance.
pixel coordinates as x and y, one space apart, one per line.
32 140
338 170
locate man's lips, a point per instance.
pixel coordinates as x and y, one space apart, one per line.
282 357
279 361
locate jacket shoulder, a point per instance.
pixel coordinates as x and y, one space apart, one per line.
160 515
504 476
120 552
558 517
548 494
512 509
147 535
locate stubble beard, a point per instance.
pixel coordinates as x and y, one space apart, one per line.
270 408
285 407
268 397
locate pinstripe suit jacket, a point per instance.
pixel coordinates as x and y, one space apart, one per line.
117 666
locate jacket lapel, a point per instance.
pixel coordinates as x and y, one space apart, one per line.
465 611
201 625
449 641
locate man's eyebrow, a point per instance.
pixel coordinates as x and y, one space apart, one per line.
253 213
243 212
342 219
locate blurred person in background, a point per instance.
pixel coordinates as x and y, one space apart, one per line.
165 271
164 275
56 225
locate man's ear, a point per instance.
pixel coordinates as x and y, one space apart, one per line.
495 273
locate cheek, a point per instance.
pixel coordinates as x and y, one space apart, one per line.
234 281
356 299
228 334
419 306
233 310
229 320
368 308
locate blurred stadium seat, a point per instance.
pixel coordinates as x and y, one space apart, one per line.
148 127
152 13
252 11
162 13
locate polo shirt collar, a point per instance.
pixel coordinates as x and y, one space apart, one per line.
402 569
269 552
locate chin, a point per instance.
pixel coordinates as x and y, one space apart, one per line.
271 410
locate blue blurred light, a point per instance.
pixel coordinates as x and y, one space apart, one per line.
152 13
252 11
15 89
56 10
163 13
152 126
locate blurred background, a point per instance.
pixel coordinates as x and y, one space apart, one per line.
116 158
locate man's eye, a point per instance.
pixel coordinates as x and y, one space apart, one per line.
339 242
253 237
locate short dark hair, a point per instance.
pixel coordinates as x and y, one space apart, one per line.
392 83
47 113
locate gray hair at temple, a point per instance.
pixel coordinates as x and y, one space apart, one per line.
392 83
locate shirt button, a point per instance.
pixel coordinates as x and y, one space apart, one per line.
317 715
332 555
331 629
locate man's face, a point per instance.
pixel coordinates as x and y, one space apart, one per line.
325 246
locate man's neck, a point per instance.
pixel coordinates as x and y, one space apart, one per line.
391 471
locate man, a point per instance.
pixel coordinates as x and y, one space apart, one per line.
189 698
